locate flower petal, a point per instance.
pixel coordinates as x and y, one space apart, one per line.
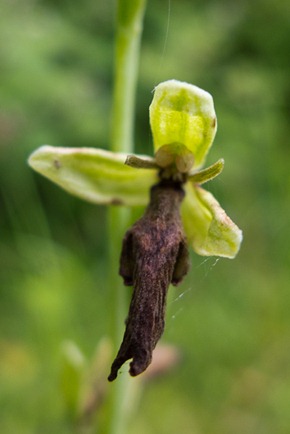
205 175
210 231
183 113
95 175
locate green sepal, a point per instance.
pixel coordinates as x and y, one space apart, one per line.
183 113
208 229
94 175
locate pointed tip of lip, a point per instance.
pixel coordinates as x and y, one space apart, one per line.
112 377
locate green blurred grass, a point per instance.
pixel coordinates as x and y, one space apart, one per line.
232 323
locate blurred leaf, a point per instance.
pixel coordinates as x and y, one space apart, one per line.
71 378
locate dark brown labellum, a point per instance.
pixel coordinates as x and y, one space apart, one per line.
154 254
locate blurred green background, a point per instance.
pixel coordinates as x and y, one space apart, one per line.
232 324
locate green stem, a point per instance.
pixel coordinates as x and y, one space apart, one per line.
129 28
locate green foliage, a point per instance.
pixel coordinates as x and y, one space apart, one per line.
232 324
71 379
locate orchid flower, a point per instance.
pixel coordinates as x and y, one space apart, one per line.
179 211
183 124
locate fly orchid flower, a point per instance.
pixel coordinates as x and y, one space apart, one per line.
180 211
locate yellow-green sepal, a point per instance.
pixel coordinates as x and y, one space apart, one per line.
94 175
208 229
183 113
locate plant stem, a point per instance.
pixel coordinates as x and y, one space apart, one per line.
128 35
129 28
